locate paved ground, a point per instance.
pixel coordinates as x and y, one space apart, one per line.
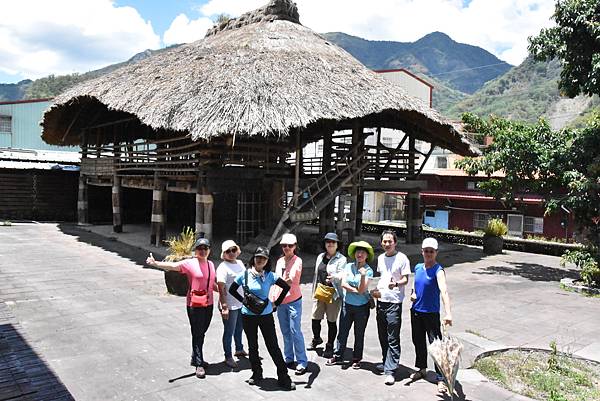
80 315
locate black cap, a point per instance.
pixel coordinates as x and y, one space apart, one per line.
202 242
262 251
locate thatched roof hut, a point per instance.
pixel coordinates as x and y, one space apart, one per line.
261 75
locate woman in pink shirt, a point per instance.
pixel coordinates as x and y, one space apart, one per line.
201 276
289 313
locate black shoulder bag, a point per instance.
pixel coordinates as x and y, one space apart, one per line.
251 301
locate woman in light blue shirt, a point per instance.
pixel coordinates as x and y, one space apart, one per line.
258 280
355 305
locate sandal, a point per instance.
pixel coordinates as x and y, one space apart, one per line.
419 374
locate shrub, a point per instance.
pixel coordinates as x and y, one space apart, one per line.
495 228
587 261
180 247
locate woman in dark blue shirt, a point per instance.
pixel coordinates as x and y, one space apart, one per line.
430 283
258 280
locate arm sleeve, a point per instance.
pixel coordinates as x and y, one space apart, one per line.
222 273
233 290
405 271
184 266
284 290
296 272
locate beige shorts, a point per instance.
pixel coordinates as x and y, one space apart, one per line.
332 310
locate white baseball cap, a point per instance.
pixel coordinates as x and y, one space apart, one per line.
288 239
430 243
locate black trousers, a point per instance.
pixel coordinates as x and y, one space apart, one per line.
199 321
389 321
266 324
424 324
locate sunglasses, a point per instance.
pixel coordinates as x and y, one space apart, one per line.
231 250
288 245
428 250
203 248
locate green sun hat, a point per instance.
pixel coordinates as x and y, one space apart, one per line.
364 245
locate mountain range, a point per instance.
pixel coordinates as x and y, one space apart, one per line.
465 78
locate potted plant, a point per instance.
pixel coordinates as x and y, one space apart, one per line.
180 248
492 237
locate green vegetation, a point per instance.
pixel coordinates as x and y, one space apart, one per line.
181 247
543 375
52 85
495 228
587 262
575 41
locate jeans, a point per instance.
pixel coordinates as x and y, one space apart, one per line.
199 321
233 328
389 320
290 318
267 327
359 316
424 324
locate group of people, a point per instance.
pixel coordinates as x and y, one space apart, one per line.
248 296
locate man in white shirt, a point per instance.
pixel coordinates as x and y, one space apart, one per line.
394 268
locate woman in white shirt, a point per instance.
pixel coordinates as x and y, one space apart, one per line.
227 271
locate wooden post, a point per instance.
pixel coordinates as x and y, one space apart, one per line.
413 204
204 205
82 195
159 218
117 207
357 136
326 216
298 168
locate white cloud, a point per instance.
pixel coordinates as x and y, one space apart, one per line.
501 26
182 30
38 38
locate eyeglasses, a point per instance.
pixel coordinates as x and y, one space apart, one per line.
231 250
288 245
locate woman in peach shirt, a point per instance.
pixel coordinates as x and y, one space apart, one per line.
289 313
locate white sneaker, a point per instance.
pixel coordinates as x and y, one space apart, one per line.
380 367
390 379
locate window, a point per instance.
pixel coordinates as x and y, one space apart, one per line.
480 220
5 124
429 213
471 185
441 162
533 225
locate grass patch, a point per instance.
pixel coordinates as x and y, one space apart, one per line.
586 294
543 375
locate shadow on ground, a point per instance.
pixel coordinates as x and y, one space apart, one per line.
23 374
531 271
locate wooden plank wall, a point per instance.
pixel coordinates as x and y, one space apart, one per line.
41 195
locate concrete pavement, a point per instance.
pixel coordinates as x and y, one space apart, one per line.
103 327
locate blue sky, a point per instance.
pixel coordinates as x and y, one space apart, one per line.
41 37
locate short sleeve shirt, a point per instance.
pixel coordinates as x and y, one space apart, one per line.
226 273
353 277
392 268
198 275
259 286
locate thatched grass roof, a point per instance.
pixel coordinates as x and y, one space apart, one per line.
263 74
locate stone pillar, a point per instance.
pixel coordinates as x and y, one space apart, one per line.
413 217
204 205
117 205
159 218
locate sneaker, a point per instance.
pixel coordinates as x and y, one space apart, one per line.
254 380
389 380
200 372
300 370
287 385
355 364
231 363
334 360
316 342
240 354
380 367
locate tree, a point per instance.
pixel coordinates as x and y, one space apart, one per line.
562 166
575 41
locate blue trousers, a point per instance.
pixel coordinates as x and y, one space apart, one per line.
290 319
233 328
357 316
